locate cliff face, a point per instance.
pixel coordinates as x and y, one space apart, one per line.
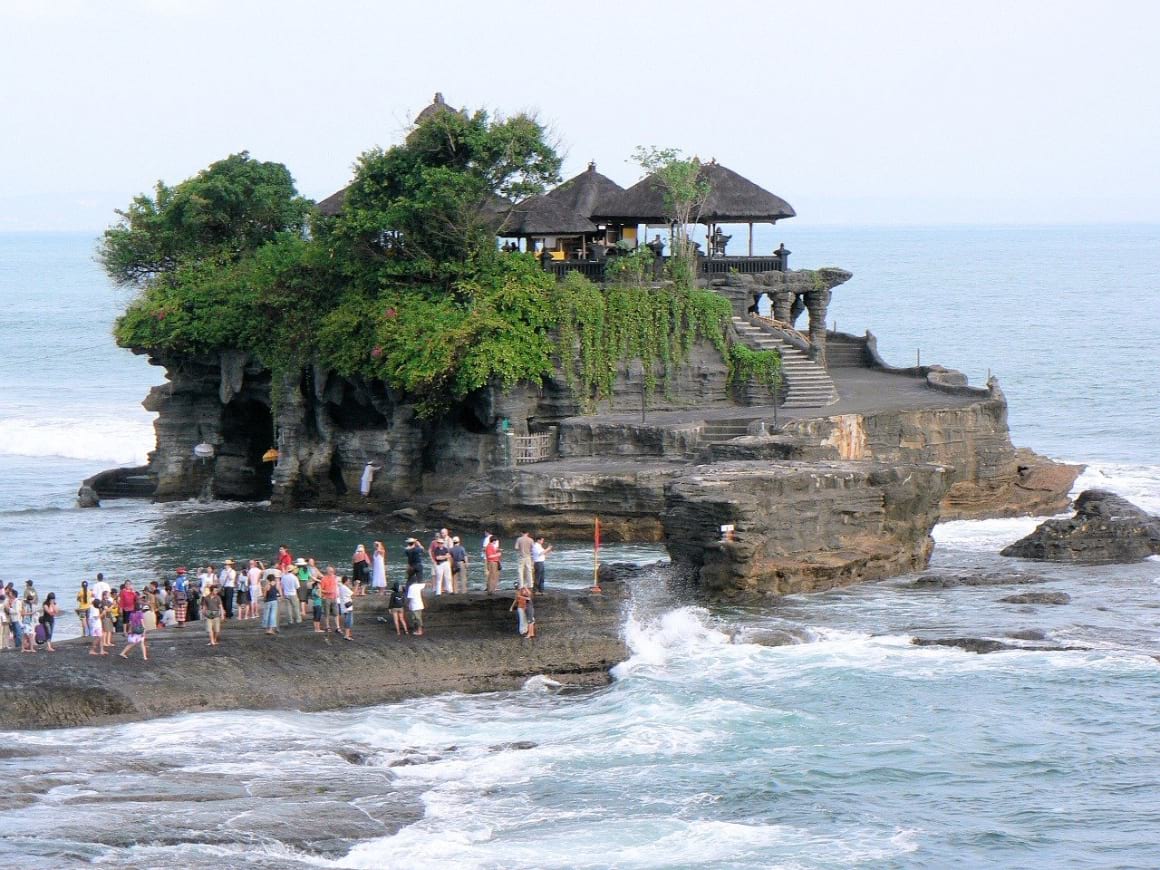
822 501
801 526
328 428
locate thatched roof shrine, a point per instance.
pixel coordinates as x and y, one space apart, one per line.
732 199
586 192
543 215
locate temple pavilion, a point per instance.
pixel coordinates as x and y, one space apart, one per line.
579 224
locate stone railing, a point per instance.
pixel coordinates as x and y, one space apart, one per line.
795 337
531 448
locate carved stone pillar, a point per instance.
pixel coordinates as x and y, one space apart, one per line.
782 302
818 301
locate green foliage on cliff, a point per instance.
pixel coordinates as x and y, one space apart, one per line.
600 329
764 366
404 285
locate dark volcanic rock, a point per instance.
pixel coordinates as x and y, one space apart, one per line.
1028 634
471 646
1038 598
1106 528
801 526
951 579
984 645
979 645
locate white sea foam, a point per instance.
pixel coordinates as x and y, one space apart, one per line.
1139 484
123 440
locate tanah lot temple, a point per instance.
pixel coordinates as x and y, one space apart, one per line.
837 477
582 223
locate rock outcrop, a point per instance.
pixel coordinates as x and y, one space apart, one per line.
801 527
1106 528
470 646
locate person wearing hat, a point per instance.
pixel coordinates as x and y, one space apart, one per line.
228 580
289 584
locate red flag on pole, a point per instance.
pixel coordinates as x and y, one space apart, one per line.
596 559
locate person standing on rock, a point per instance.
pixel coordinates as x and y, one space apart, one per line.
415 604
414 551
346 607
441 556
284 560
302 569
180 598
397 605
525 614
539 559
212 608
459 566
526 568
254 579
360 569
491 556
379 568
288 586
229 583
93 618
270 605
84 599
316 604
100 587
127 601
329 586
108 620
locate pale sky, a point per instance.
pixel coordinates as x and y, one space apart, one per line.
1022 111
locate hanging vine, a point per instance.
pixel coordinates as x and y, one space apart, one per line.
601 330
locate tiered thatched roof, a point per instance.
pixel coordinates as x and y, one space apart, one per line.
563 210
585 192
732 199
545 216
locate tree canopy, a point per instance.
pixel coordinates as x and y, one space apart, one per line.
227 210
404 285
427 210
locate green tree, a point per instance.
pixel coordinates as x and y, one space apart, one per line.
427 210
685 192
233 207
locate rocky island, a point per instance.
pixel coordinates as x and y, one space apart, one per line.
573 372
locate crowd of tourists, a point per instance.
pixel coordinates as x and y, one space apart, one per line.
288 591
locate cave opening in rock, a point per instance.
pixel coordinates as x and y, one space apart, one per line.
247 433
335 474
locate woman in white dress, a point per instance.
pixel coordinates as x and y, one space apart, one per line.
379 569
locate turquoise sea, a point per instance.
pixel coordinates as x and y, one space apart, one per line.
851 748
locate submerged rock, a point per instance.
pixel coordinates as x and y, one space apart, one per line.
1037 598
1106 528
984 645
950 579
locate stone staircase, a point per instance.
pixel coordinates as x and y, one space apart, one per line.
720 431
807 384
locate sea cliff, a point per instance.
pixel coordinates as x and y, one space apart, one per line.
818 496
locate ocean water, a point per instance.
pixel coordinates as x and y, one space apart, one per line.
852 747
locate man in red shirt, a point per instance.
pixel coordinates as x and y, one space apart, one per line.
329 588
285 560
127 600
